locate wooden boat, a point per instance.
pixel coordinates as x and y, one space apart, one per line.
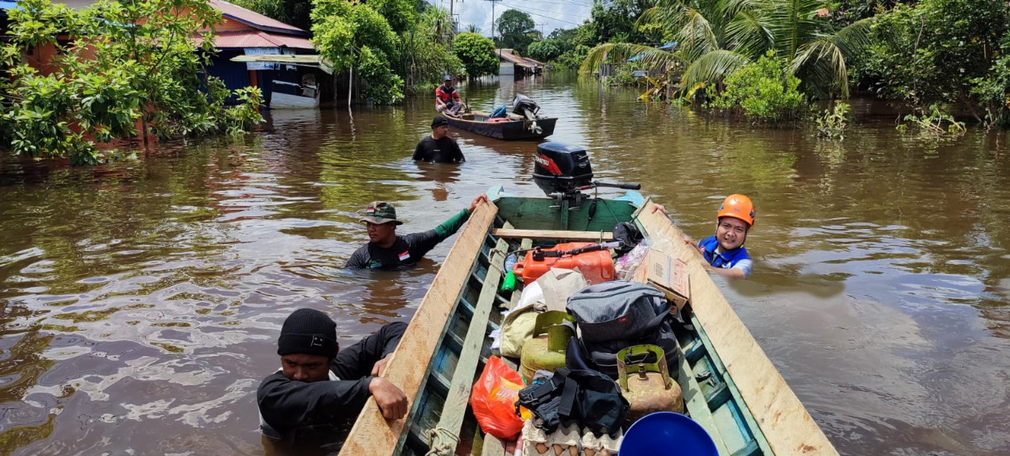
514 127
745 405
523 122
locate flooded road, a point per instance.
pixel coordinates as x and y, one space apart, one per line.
140 302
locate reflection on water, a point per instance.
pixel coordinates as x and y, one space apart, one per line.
141 301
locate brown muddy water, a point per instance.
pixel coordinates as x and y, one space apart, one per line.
140 302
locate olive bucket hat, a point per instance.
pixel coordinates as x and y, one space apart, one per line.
379 212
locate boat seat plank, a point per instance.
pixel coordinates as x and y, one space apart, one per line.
462 380
696 405
587 236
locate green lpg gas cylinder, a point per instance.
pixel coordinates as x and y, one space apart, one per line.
546 350
647 385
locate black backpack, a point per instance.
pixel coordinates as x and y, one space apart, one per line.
586 398
615 315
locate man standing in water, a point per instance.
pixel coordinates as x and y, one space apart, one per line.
438 147
724 251
387 250
316 395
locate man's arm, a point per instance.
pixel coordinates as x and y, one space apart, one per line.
359 259
438 99
421 243
288 404
458 154
419 151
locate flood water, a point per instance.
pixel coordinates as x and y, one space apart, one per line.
140 302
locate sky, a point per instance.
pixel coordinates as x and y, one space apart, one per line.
547 14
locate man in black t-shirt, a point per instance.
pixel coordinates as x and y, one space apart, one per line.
313 399
438 147
387 250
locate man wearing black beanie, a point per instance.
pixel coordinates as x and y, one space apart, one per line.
319 389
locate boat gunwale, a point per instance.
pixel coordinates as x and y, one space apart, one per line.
778 413
373 434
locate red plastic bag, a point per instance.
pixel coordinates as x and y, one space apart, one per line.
494 399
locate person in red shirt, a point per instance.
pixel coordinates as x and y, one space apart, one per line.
447 97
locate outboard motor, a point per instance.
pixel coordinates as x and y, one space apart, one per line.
563 171
525 106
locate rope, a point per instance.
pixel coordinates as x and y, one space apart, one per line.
438 447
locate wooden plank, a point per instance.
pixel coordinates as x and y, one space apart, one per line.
456 401
371 433
784 421
697 407
586 236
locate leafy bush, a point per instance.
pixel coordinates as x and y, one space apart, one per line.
764 90
938 51
831 124
933 123
477 54
115 66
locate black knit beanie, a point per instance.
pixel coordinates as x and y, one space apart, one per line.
308 332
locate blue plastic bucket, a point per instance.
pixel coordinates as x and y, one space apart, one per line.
667 434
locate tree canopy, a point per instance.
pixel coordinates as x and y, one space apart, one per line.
477 54
516 30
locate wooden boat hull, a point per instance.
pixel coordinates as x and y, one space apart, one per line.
514 129
744 403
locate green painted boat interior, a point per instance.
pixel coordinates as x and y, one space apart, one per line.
710 395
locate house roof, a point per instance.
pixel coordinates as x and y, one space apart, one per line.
254 19
257 39
508 56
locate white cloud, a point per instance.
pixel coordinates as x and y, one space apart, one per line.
547 14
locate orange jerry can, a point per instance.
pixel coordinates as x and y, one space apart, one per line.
592 260
647 385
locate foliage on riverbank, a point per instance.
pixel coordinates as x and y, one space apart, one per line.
112 71
390 47
954 54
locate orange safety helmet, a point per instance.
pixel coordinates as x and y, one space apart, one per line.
739 207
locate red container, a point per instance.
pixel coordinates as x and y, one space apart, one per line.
596 267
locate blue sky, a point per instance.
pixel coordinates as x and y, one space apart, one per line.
547 14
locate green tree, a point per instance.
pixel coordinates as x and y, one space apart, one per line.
546 50
616 21
123 62
294 12
943 52
764 90
354 36
477 54
424 56
515 30
718 37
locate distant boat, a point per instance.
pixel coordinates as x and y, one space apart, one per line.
523 122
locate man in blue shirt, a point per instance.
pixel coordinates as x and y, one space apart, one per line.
724 251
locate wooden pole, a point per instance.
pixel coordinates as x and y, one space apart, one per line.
350 81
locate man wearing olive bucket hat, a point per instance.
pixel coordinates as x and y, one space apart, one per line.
387 250
320 389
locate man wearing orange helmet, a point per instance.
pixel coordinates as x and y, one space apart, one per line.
725 250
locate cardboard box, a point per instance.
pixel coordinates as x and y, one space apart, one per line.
669 275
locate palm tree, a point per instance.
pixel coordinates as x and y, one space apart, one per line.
715 37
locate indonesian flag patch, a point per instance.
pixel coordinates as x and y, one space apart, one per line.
405 255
